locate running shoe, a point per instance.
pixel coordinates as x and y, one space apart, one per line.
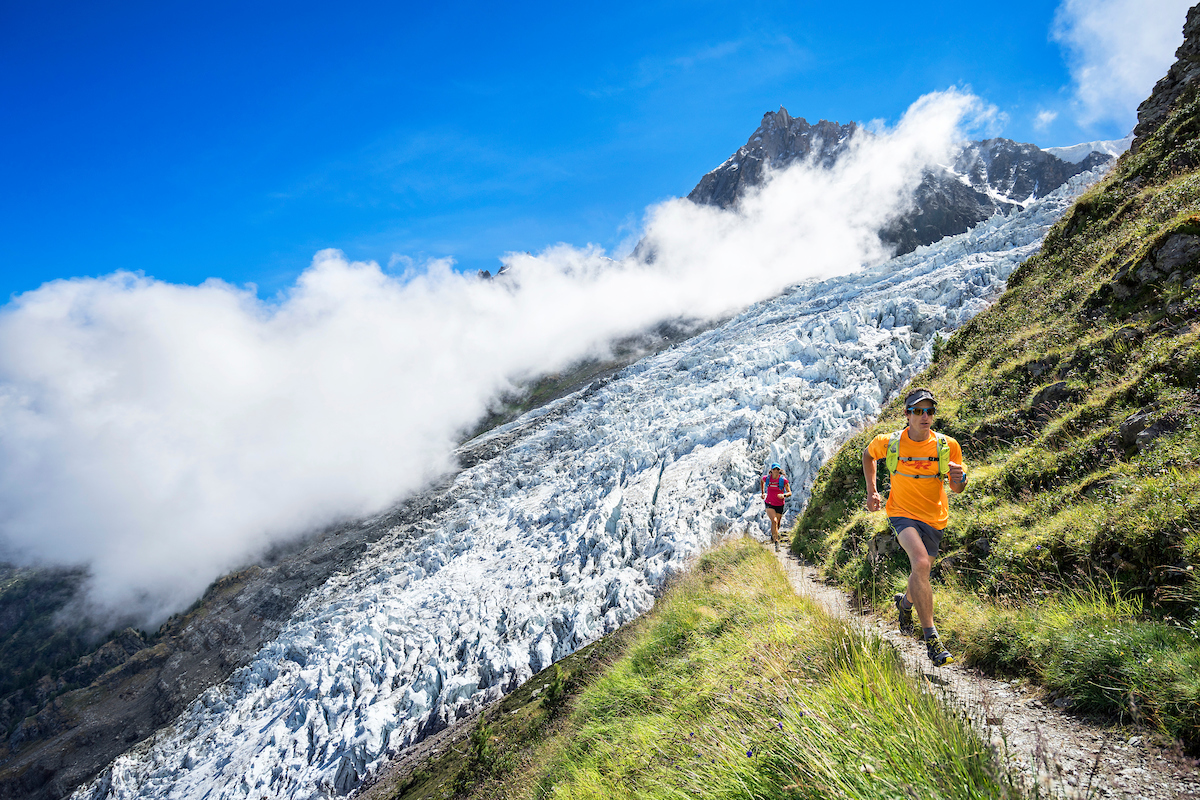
938 653
906 620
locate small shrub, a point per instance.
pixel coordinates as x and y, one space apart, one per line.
556 693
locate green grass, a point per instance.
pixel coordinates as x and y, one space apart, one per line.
1096 652
1059 501
733 687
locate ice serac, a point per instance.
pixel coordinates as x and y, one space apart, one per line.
567 523
989 176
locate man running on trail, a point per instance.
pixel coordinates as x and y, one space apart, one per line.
917 507
775 492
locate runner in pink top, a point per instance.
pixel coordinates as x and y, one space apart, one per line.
775 492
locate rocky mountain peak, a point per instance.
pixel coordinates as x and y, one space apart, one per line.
779 141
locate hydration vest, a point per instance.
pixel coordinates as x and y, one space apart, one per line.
767 482
894 459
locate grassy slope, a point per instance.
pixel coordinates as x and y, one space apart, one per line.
1073 557
731 687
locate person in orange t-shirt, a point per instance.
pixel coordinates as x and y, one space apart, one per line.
917 508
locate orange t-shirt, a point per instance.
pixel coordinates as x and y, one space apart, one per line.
922 499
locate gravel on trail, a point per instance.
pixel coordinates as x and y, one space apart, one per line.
1065 755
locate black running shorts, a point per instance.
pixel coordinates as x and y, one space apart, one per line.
930 535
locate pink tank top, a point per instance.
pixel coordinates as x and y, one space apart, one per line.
774 494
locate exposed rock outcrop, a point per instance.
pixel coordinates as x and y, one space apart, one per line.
1182 74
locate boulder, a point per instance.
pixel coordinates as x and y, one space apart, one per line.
882 545
1140 429
1132 426
1144 438
981 547
1049 398
1179 252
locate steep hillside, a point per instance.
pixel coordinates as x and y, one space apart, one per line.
1073 555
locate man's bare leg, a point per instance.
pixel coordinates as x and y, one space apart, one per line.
920 593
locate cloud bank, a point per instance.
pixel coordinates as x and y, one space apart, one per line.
163 435
1117 50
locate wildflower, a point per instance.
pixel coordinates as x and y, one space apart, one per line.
779 725
750 753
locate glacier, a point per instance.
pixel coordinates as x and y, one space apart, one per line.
569 523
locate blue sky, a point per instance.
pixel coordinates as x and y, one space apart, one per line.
235 140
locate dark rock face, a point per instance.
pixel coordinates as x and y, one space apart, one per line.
778 142
986 177
1180 251
1175 261
1184 72
1018 170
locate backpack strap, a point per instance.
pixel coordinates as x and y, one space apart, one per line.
893 451
894 459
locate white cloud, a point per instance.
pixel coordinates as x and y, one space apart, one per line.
1044 118
164 434
1117 50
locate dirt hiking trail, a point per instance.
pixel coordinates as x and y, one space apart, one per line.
1064 754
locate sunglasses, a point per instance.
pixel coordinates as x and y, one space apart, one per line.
928 412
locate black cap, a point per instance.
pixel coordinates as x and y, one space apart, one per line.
917 396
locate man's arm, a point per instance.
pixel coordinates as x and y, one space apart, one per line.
874 498
958 470
958 477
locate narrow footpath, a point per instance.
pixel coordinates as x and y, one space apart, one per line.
1068 755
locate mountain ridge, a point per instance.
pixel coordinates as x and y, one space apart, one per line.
986 177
